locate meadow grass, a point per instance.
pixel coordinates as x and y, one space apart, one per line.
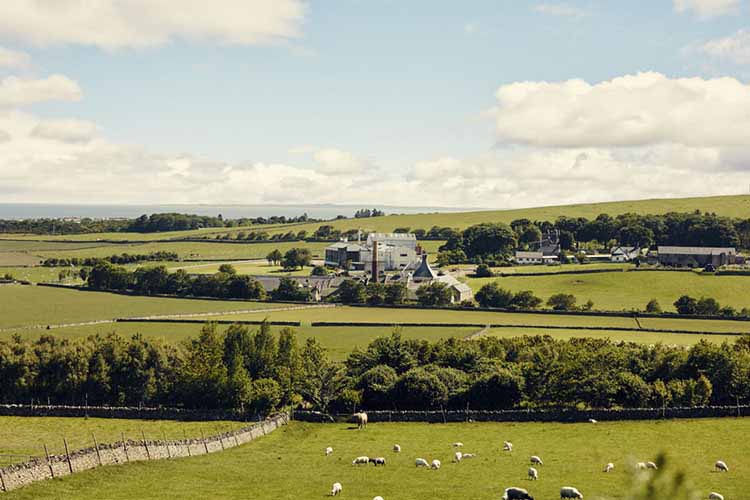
27 435
289 464
618 291
34 305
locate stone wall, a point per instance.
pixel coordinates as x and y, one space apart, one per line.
18 475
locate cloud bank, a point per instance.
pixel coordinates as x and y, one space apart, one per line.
707 8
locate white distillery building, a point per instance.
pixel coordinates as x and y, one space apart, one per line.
395 252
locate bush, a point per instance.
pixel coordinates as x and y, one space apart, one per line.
419 389
319 271
497 391
434 294
653 307
562 302
483 271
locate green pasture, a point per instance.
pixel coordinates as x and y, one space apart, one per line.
620 291
28 435
290 463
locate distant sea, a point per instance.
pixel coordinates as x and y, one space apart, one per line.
34 210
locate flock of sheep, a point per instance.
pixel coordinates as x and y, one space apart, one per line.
512 493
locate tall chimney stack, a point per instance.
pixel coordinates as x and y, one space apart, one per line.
375 274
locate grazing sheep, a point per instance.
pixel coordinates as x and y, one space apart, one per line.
458 445
378 461
329 451
721 466
715 496
536 460
435 464
593 421
378 498
507 446
651 465
640 466
570 492
421 462
516 494
533 474
458 456
397 448
336 489
468 455
609 467
361 419
361 460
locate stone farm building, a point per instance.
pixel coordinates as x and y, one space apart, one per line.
528 258
698 256
624 254
395 252
423 274
320 287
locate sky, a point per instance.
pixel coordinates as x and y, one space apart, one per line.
483 103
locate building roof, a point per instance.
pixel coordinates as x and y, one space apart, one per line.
350 247
696 250
529 255
454 283
391 236
424 270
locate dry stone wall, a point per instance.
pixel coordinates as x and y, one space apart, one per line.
19 475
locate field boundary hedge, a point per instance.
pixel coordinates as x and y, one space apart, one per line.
204 321
541 415
54 466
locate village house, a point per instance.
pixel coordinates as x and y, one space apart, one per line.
423 274
673 256
624 254
528 258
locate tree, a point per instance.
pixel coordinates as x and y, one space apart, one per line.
483 271
526 299
319 271
288 365
419 389
245 287
434 294
274 257
262 353
266 396
562 302
707 306
375 384
352 292
296 258
375 293
204 374
321 381
685 305
492 295
395 293
653 307
239 385
227 269
488 239
289 290
496 391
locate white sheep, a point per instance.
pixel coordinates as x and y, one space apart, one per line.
458 456
640 466
593 421
651 465
536 460
507 446
468 455
570 492
533 474
721 466
336 489
435 464
458 445
378 498
421 462
361 460
715 496
609 467
514 493
329 451
397 448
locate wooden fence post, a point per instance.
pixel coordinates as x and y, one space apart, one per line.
145 444
49 463
124 446
221 440
67 455
96 447
166 443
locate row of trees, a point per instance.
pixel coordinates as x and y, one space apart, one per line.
125 258
259 370
493 295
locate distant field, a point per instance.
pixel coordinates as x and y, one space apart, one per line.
613 335
33 305
242 267
561 268
625 291
27 435
293 465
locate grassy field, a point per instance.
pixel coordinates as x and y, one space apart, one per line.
293 466
632 290
27 435
33 305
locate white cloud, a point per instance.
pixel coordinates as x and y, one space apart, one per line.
735 48
114 24
707 8
4 136
633 110
559 9
65 130
333 161
13 58
15 91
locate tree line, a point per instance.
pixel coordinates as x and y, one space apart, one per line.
260 370
124 258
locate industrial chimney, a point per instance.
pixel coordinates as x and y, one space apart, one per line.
375 274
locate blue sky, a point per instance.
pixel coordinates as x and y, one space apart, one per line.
388 90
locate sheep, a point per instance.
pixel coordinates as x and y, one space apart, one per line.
570 492
361 460
435 464
421 462
378 461
336 489
516 494
397 448
609 467
458 445
507 446
715 496
593 421
640 466
361 419
651 465
458 456
533 474
378 498
468 455
329 451
721 466
536 460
